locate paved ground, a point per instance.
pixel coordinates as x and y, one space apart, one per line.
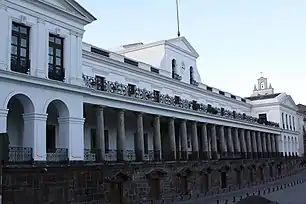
289 195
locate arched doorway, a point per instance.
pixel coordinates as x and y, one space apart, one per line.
57 131
20 133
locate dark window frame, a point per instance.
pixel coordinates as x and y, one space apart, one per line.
17 67
191 74
55 71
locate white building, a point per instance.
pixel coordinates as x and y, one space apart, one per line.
64 99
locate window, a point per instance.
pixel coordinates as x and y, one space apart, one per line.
177 99
293 123
262 118
290 122
232 96
262 85
99 52
106 141
283 121
146 143
173 68
243 100
131 62
221 93
208 88
287 121
156 95
56 58
191 74
100 83
154 70
131 89
20 61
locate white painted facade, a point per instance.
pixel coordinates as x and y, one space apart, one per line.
31 103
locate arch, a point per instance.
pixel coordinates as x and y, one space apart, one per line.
62 108
24 99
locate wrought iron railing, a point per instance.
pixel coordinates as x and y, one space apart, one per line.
20 154
89 155
60 154
144 94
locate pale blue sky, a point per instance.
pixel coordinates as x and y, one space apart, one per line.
236 39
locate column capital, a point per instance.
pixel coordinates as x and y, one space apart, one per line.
73 120
99 107
4 112
139 114
35 116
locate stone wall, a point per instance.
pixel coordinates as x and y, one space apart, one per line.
135 182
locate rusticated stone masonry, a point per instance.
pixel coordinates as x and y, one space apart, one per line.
133 183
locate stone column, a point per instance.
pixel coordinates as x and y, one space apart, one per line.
3 120
249 144
35 135
268 144
277 141
139 149
71 136
243 144
183 129
264 145
204 141
156 138
100 137
254 145
259 145
230 145
222 142
171 132
273 145
214 151
194 141
236 143
120 135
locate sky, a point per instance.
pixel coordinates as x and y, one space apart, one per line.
236 39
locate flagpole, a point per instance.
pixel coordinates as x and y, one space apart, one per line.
177 18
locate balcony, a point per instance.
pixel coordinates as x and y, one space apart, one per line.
59 154
20 154
147 95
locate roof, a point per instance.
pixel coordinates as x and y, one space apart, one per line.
262 97
301 108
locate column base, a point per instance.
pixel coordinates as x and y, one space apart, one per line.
157 155
214 155
195 155
204 155
249 155
260 156
243 155
184 155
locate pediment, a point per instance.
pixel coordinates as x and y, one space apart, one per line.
183 44
70 7
288 101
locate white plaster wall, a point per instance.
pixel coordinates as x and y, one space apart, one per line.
41 23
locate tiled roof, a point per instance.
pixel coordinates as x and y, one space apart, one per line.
262 97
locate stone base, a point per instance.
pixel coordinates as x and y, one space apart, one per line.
195 155
214 155
249 155
204 155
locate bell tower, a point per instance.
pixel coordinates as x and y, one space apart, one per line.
262 88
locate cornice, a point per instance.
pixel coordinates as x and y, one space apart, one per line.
164 79
64 87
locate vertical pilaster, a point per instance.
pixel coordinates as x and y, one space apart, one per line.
254 145
183 130
236 143
214 150
249 144
204 141
100 133
259 145
41 41
194 141
4 37
3 120
243 143
139 150
120 135
222 142
35 135
171 130
277 144
230 145
273 145
156 138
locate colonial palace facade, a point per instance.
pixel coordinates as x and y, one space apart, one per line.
65 100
